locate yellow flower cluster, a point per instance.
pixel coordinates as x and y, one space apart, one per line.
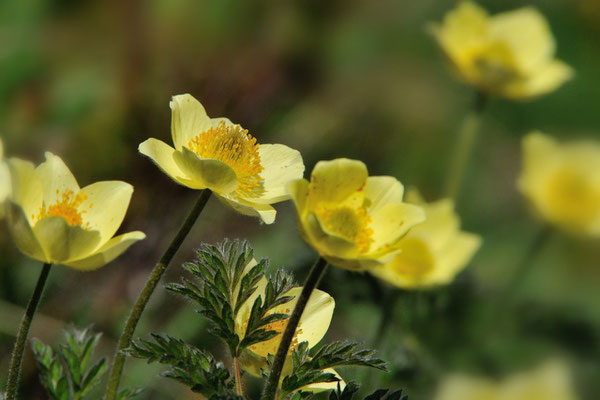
510 54
550 381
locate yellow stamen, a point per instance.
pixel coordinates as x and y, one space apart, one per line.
234 146
349 223
67 208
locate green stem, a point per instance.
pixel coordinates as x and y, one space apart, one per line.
239 389
311 282
17 356
142 300
464 146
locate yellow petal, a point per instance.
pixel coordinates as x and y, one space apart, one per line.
322 386
188 119
463 29
22 234
381 190
333 181
105 254
546 79
316 317
281 165
56 179
297 191
204 173
527 34
391 221
163 156
62 242
27 190
326 242
105 206
264 211
456 255
467 388
539 159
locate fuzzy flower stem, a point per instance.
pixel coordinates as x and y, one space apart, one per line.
142 300
314 276
464 146
239 389
17 356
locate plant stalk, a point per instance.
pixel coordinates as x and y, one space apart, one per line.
142 300
311 282
239 389
17 356
467 136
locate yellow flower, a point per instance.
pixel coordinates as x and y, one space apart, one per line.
52 220
432 252
313 325
550 381
510 54
352 220
215 154
5 185
562 181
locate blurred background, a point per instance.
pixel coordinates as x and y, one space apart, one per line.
90 80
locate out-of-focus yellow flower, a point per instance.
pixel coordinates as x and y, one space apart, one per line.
434 251
510 54
550 381
52 220
312 328
216 154
352 220
5 185
562 181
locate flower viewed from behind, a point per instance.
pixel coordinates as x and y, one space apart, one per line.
550 381
5 185
54 221
510 54
562 181
433 252
216 154
352 220
312 328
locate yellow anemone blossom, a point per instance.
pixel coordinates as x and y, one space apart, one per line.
312 328
510 54
434 251
216 154
550 381
562 181
52 220
352 220
5 185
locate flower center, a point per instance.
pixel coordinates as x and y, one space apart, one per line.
349 223
67 207
415 261
573 197
234 146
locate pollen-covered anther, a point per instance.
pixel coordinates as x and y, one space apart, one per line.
67 207
348 223
234 146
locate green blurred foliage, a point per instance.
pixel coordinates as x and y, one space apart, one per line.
90 80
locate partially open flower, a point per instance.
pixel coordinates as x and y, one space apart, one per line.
5 185
312 328
562 181
433 252
352 220
52 220
216 154
550 381
510 54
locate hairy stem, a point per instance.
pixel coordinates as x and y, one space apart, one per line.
467 136
17 356
311 282
239 389
142 300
